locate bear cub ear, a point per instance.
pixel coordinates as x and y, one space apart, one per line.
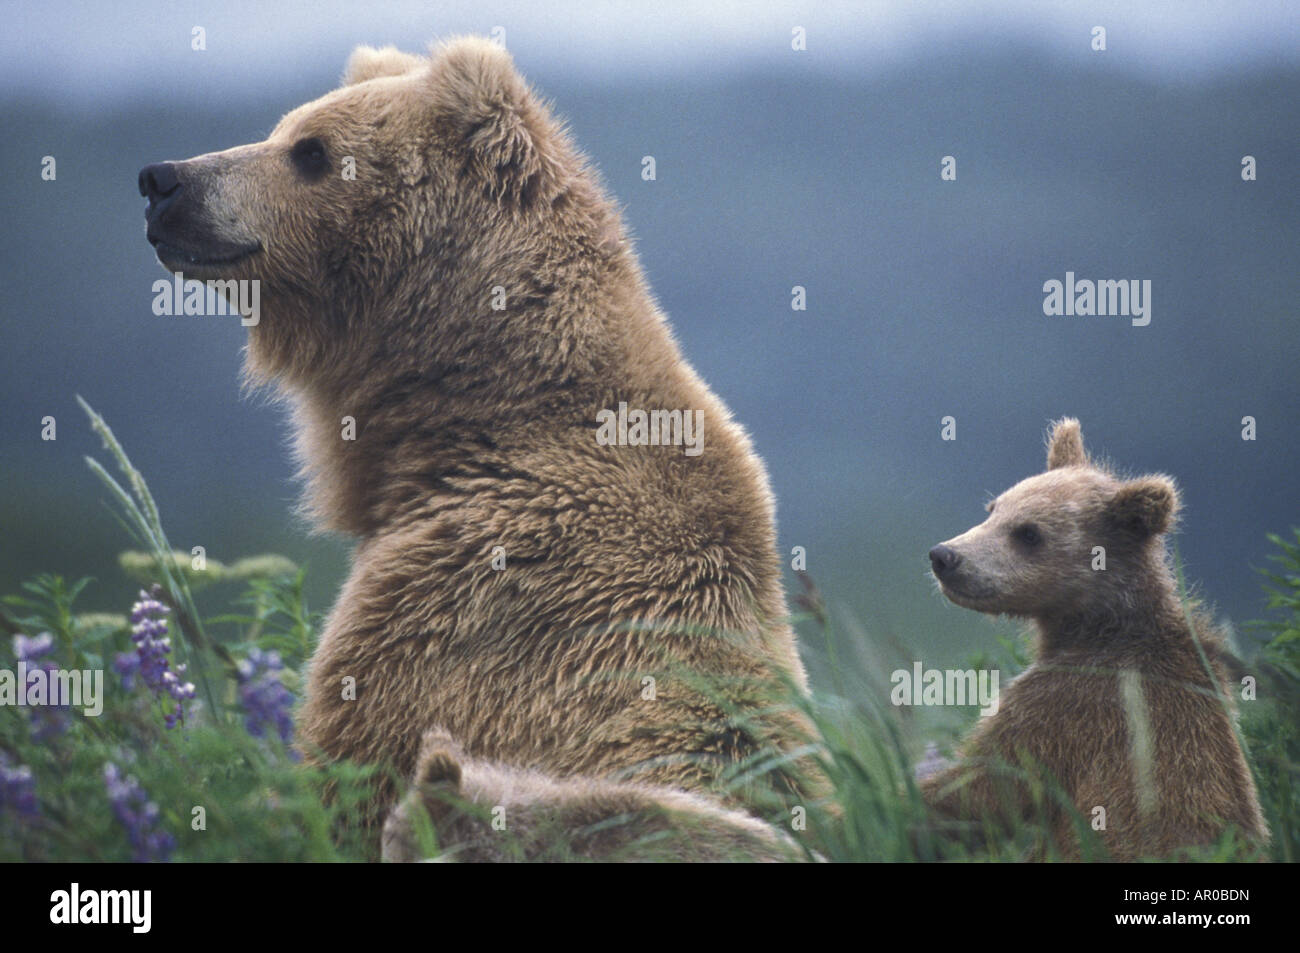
1065 445
512 141
438 774
366 62
439 760
1145 507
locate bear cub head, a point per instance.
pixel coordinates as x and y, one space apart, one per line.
1075 540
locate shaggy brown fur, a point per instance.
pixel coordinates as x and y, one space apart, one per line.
476 429
1118 708
483 812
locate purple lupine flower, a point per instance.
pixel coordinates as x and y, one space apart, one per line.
139 815
149 661
265 700
17 790
30 650
47 721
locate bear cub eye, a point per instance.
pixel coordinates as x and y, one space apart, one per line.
1027 534
309 158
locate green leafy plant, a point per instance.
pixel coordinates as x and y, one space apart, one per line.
224 784
1272 721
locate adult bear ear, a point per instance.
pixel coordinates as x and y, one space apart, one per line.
366 62
1065 445
1144 507
510 139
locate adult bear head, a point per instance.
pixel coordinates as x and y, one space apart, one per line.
424 214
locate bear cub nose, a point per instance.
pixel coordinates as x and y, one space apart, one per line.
943 559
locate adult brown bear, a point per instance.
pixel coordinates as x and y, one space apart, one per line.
566 551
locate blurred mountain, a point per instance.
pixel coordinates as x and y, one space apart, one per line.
924 300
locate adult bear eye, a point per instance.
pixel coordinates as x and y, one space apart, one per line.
1027 534
309 158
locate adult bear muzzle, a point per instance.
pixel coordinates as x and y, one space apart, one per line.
178 223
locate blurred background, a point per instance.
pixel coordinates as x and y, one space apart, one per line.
775 168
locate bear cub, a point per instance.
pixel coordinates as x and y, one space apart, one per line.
486 812
1126 716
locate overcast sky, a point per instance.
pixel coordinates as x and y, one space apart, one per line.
133 48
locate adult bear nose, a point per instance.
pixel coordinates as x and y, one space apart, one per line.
159 180
943 559
160 184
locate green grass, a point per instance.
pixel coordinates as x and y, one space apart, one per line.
224 795
1271 724
221 793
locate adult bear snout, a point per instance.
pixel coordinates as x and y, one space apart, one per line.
943 559
160 184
